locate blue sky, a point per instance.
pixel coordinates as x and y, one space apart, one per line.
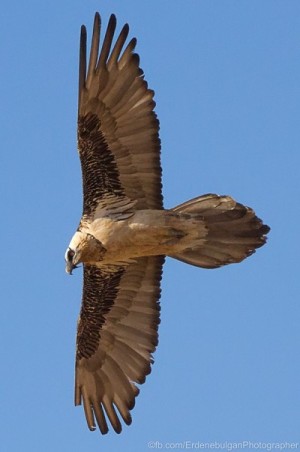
226 75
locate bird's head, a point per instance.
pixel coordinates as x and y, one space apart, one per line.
83 248
70 258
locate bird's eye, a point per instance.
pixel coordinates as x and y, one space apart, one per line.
70 255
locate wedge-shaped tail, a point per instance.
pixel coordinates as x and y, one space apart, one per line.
234 231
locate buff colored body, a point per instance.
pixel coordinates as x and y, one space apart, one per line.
145 233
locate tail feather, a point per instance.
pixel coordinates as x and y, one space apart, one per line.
234 232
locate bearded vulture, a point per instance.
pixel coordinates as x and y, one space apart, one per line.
125 233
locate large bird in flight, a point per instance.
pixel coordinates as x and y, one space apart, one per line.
125 233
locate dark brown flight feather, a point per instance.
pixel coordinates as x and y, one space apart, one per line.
116 121
117 334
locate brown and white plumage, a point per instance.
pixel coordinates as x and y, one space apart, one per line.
117 332
115 93
124 233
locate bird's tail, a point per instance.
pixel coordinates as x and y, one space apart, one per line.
233 231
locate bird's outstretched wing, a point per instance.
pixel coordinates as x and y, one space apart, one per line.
117 333
118 140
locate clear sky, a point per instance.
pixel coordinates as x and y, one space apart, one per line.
226 75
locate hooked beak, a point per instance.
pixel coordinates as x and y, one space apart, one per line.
70 267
